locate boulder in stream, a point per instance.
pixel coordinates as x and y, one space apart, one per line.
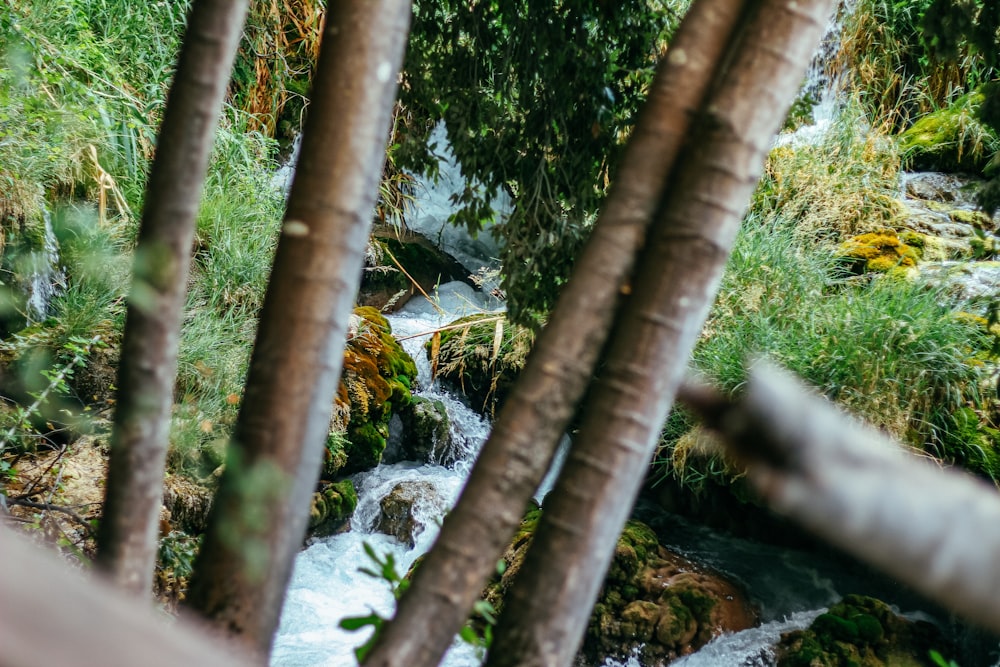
427 437
403 509
333 505
864 632
655 604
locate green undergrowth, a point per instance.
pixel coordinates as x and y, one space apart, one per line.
951 139
887 349
482 355
236 236
841 185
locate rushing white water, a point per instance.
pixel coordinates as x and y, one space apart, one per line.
434 204
327 585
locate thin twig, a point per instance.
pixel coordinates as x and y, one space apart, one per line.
415 283
21 502
27 493
449 327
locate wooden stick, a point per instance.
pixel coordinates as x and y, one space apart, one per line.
936 529
51 615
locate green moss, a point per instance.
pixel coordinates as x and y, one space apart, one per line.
951 139
878 252
365 444
859 631
468 357
332 506
636 545
376 379
334 456
977 219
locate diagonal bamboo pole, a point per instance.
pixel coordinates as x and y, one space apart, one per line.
527 430
547 608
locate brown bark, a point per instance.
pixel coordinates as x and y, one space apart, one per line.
259 517
53 616
127 535
932 528
525 434
547 608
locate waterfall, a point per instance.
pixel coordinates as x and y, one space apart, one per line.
326 584
43 281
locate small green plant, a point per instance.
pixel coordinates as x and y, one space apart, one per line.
177 552
385 569
940 661
58 378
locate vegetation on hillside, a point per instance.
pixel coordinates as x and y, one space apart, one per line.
80 102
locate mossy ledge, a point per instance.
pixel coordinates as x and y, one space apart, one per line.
653 601
862 632
377 379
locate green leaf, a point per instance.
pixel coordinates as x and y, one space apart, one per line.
486 610
358 622
468 635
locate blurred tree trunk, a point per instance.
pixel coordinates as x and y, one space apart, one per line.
127 538
259 517
548 606
525 434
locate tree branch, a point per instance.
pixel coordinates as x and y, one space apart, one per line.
933 528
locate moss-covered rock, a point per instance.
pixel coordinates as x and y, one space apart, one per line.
427 435
879 251
860 632
333 504
376 380
482 355
952 139
653 601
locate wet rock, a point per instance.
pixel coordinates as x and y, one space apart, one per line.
333 504
482 358
861 631
402 511
375 382
966 281
655 604
385 286
936 186
426 435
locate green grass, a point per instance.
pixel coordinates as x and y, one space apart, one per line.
887 349
841 185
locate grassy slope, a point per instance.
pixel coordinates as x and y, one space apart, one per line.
92 73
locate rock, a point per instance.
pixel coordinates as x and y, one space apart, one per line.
406 507
480 363
877 251
952 139
966 281
861 631
655 604
426 436
385 287
333 504
936 186
376 381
